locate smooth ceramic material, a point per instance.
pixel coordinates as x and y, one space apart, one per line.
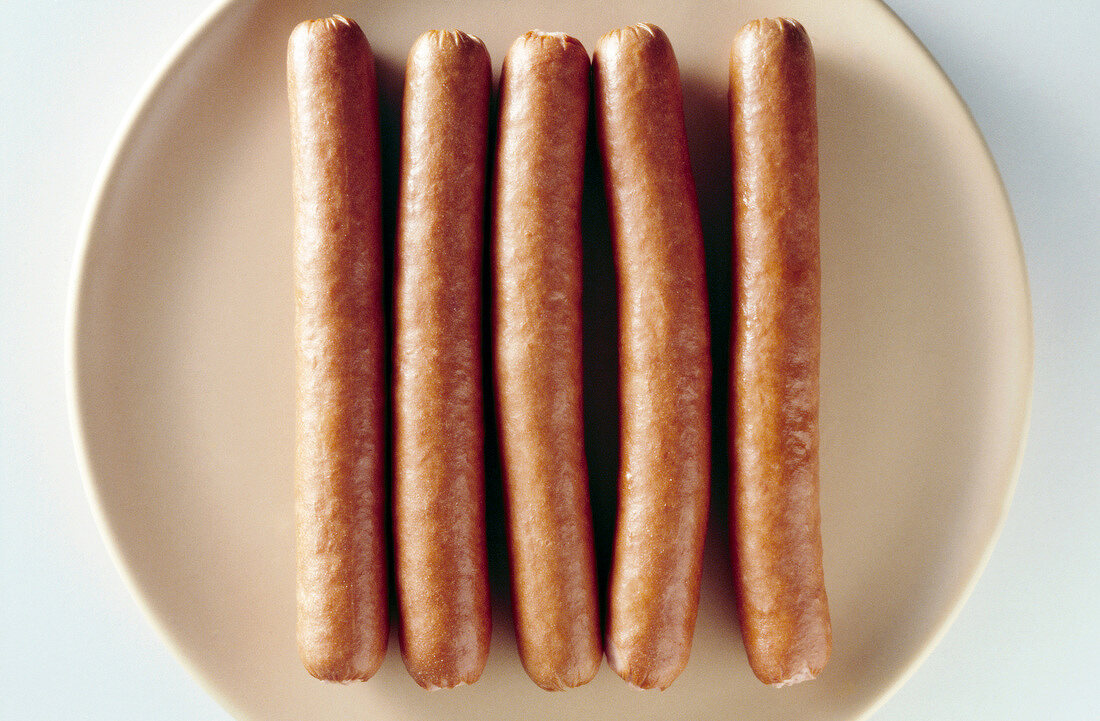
182 382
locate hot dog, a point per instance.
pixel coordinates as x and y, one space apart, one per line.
438 436
339 328
776 519
664 347
537 349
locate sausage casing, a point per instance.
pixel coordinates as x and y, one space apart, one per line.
664 348
776 519
339 341
537 349
438 435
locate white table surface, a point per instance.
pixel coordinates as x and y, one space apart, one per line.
74 644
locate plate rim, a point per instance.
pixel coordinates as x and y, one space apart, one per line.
106 176
951 614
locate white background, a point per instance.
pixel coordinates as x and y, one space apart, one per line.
73 643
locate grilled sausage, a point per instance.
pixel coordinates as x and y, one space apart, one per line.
537 348
339 328
664 347
776 519
439 494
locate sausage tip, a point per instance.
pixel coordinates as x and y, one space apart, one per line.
343 671
448 40
626 49
311 37
642 676
805 674
538 47
324 26
758 34
544 39
640 34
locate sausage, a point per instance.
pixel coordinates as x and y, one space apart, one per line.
537 350
339 327
776 349
664 351
438 433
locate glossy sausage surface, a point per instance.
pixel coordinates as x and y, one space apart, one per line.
664 347
339 340
439 494
776 519
537 348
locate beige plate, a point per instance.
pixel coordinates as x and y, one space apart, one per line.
182 385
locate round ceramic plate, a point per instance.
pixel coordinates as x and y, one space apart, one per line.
182 385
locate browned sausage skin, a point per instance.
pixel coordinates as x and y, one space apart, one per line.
776 351
537 349
664 357
338 331
439 494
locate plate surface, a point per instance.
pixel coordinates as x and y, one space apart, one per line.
182 384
